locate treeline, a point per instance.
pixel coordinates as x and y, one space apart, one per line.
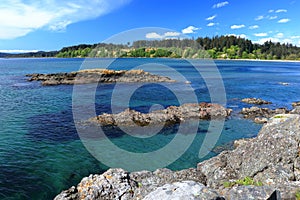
39 54
218 47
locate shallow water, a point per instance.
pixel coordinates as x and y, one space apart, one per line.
41 152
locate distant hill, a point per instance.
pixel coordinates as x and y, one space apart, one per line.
218 47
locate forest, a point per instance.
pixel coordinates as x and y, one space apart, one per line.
218 47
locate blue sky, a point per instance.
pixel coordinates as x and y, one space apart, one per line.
53 24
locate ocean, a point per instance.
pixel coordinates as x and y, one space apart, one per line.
42 149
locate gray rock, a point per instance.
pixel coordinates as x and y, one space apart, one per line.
255 101
296 110
97 76
252 192
188 190
261 115
271 158
294 104
170 115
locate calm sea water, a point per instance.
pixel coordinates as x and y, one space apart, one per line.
41 153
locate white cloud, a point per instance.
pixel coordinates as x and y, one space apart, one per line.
190 29
237 26
20 17
281 10
211 24
171 34
153 35
284 20
273 17
261 34
270 11
220 5
259 17
211 18
296 37
166 35
253 27
279 35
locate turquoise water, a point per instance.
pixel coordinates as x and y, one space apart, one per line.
40 150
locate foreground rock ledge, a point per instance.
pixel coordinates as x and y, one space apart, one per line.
272 157
170 115
98 76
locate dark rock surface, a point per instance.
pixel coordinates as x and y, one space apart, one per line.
273 158
295 104
170 115
261 115
97 76
255 101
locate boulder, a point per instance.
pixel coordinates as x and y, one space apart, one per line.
272 157
261 115
255 101
294 104
170 115
188 190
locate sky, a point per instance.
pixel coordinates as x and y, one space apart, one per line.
31 25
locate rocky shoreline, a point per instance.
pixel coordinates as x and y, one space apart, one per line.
170 115
97 76
272 159
262 115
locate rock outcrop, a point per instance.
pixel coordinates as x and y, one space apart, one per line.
170 115
272 158
97 76
255 101
295 104
261 115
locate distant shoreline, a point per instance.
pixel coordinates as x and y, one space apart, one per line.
254 60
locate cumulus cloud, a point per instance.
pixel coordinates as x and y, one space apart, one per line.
211 18
172 34
220 5
153 35
237 26
279 35
254 27
190 29
273 17
261 34
284 20
166 35
259 17
20 17
211 24
296 37
281 10
271 11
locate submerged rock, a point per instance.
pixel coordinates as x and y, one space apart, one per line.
170 115
255 101
97 76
